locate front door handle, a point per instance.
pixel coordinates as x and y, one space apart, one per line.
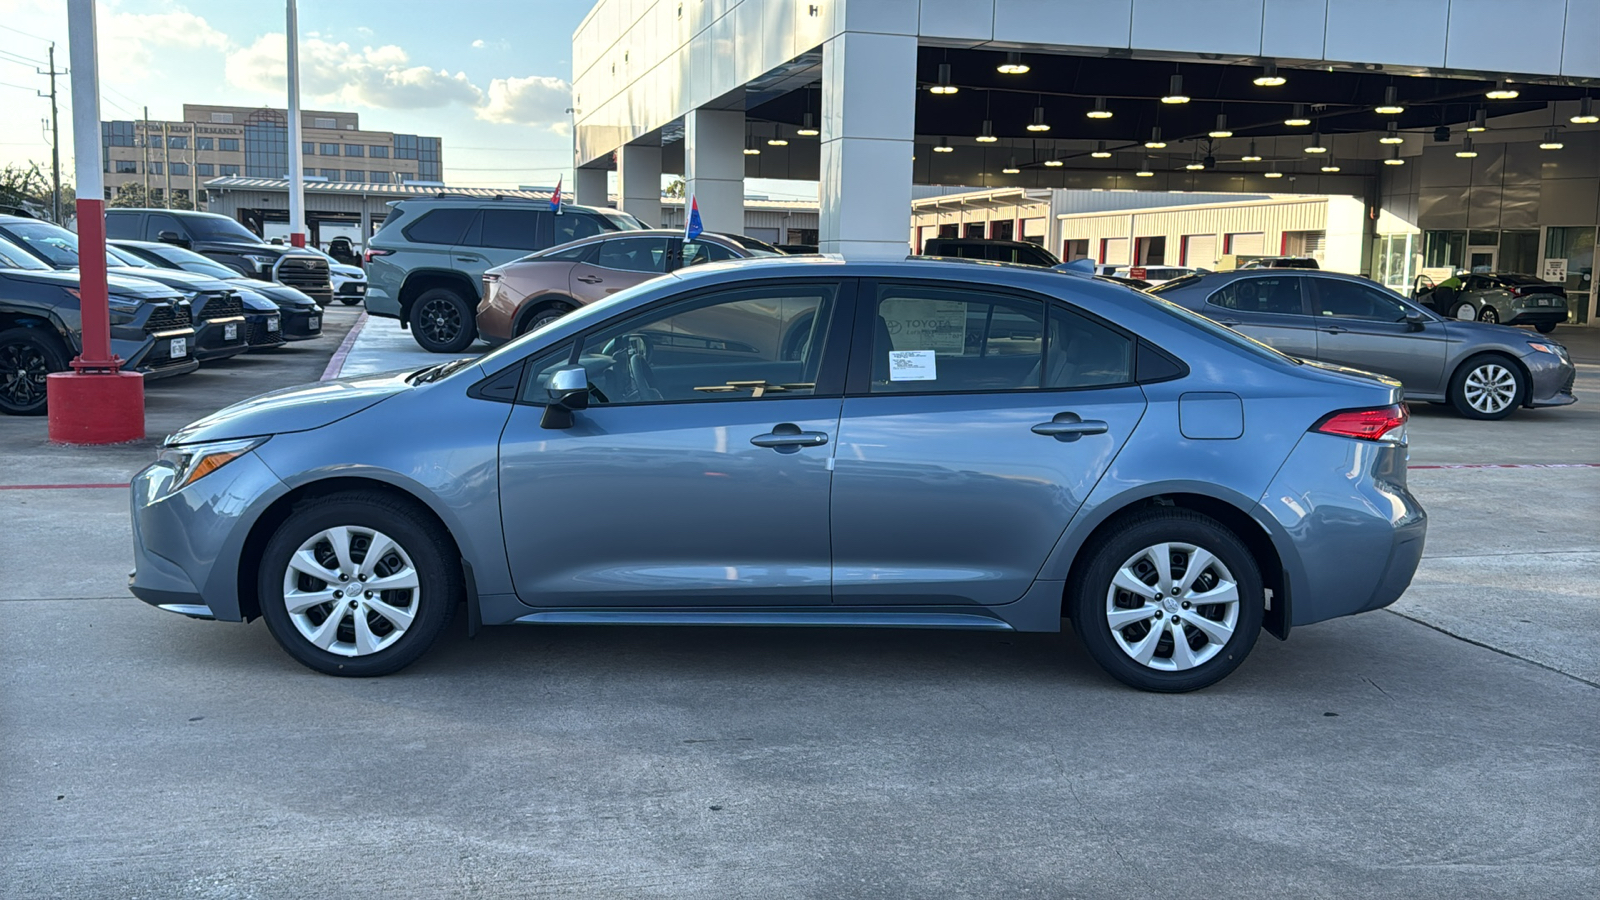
1334 329
1068 427
469 259
1228 322
788 438
590 279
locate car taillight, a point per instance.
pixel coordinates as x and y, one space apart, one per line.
371 253
1384 423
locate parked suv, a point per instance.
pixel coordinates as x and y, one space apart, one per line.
41 328
275 313
426 264
227 242
536 290
998 251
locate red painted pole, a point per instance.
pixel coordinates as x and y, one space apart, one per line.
96 315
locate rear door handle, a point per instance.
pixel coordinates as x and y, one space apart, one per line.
787 438
469 259
590 279
1068 427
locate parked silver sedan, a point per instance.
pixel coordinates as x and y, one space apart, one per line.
1485 371
954 445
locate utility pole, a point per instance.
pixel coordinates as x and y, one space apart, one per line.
297 187
194 166
146 142
55 137
166 167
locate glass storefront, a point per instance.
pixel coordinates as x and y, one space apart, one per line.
1398 261
1576 246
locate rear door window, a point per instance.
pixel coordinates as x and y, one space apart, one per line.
511 229
641 254
440 226
1281 295
938 340
156 223
696 252
1348 300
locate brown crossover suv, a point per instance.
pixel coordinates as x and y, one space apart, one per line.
542 287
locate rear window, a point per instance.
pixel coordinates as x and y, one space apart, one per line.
1212 328
1174 284
440 226
512 229
122 226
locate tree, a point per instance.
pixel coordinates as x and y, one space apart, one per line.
674 188
130 195
24 187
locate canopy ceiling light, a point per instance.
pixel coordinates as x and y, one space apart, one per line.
1054 163
1175 92
1297 119
1273 172
1467 151
1391 103
1013 65
1100 151
943 86
1144 171
750 148
1194 164
1038 123
1155 142
1221 130
808 126
943 146
1502 90
1552 140
1269 76
1392 135
986 134
1394 159
1585 114
1316 143
1252 156
1012 169
1330 166
777 139
1100 110
1480 121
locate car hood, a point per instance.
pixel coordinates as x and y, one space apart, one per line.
294 409
277 293
133 288
183 281
240 247
254 301
351 271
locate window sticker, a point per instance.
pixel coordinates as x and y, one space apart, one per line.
912 365
938 325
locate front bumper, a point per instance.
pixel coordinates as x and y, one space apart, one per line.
187 545
150 355
265 331
1354 534
1550 380
352 289
301 324
211 340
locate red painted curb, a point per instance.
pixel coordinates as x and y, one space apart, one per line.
336 363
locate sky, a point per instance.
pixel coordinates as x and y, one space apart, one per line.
490 77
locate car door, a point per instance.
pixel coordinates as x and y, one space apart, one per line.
1364 327
620 263
699 473
976 423
157 224
1272 308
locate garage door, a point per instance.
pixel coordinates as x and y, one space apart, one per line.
1200 250
1248 244
1114 251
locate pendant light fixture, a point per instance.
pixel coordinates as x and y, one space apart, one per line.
1101 111
1038 123
750 148
1480 121
1586 115
943 146
1012 168
1194 164
1392 135
1013 64
1175 94
1297 119
1269 76
1394 159
1316 143
1144 171
1155 142
943 85
777 139
1273 172
1330 165
1252 156
986 133
1221 130
1054 162
1100 151
1552 139
1467 151
1391 103
808 126
1502 90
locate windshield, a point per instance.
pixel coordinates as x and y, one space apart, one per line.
1204 324
14 257
116 256
56 245
623 221
757 248
219 228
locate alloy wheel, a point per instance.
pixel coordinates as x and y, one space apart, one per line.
441 320
351 591
1490 388
1489 315
1172 606
23 369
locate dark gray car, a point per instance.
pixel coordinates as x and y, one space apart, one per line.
1485 371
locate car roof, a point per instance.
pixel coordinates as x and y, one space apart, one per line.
191 213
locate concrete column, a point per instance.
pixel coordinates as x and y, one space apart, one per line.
713 167
639 182
868 131
589 187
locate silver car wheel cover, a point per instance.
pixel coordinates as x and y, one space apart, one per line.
1172 606
351 590
1490 388
1465 313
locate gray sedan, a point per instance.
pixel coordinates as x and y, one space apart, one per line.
953 445
1485 371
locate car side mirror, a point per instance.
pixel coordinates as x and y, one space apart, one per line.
568 390
1415 321
172 237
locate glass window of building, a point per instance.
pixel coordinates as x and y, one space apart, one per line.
205 143
405 146
177 142
117 134
127 166
308 148
324 123
355 150
222 118
228 145
225 170
429 167
180 168
155 168
205 169
330 173
378 152
354 175
376 177
1575 247
329 149
266 150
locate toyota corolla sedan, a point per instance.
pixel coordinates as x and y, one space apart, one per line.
954 444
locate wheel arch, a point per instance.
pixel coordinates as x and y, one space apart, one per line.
538 303
1231 512
418 281
46 320
262 529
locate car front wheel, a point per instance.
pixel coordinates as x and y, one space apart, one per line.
27 357
357 584
442 322
1487 387
1171 601
1545 327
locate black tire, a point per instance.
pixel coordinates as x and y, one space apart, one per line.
1545 327
417 536
1489 314
1091 596
27 357
1480 371
544 316
349 301
442 321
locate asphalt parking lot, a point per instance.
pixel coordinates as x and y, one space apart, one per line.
1446 747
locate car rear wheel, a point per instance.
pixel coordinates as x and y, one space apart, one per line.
1487 387
442 322
1489 315
545 316
1463 312
357 584
1171 601
27 357
1545 327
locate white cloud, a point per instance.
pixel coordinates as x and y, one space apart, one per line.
129 41
536 100
380 77
479 44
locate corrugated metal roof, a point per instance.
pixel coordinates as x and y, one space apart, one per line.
242 183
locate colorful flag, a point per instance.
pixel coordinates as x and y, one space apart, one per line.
555 198
693 229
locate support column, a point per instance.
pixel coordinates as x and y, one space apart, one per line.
639 182
713 167
868 138
589 188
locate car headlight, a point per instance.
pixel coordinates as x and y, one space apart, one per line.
1552 348
123 309
262 263
192 462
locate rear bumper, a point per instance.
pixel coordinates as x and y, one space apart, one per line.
382 303
1535 316
1355 534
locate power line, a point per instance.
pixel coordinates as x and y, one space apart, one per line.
26 34
26 87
